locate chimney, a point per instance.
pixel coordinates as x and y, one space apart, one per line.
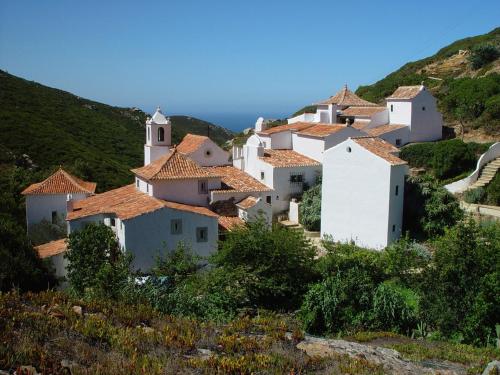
69 203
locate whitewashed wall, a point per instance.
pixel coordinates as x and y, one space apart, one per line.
184 191
357 197
215 156
403 134
311 147
281 140
152 153
401 111
40 206
426 125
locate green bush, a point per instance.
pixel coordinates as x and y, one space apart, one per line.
46 231
493 191
280 261
451 158
310 208
483 54
475 195
428 207
462 286
418 155
177 264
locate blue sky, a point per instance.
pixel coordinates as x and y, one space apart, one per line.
225 59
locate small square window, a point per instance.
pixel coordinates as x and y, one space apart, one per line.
137 182
423 108
398 142
176 226
54 217
393 228
202 186
268 199
113 222
261 175
147 188
397 189
392 108
201 234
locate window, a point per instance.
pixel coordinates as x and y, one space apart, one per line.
423 108
208 153
398 142
348 149
176 226
149 133
201 234
393 228
261 175
137 182
202 187
147 188
161 135
392 108
54 217
397 189
296 179
113 222
268 199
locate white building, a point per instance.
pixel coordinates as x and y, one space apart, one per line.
158 137
203 151
48 200
363 192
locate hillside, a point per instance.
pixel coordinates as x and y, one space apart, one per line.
464 76
53 127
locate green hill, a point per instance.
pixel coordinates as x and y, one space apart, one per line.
50 127
464 76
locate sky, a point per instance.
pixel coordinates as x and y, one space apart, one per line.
225 61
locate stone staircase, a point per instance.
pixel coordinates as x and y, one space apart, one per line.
487 174
313 237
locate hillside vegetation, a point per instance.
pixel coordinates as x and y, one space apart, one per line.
464 76
100 142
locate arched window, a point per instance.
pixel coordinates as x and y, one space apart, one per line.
161 135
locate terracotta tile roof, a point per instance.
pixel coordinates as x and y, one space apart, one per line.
173 166
287 158
190 143
247 203
380 148
51 248
234 179
229 223
362 111
383 129
346 97
126 203
406 92
61 182
296 126
322 130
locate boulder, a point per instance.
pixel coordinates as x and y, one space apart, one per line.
493 368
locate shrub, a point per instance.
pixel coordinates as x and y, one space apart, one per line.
493 191
418 155
177 264
280 261
428 207
475 195
483 54
310 208
96 263
45 231
461 288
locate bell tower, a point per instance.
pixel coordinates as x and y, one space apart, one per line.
158 137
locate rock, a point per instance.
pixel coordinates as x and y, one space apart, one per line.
388 358
78 310
205 353
493 368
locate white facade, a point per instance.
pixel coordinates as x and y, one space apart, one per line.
209 154
362 196
44 206
187 191
419 113
261 210
147 235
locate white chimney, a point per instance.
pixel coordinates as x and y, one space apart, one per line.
260 125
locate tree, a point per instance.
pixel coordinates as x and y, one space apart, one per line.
280 261
96 263
177 264
19 266
483 54
310 208
46 231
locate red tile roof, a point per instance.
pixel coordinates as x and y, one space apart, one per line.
380 148
247 203
190 143
322 130
173 166
384 129
127 202
61 182
229 223
406 92
235 180
360 125
287 158
346 97
362 111
296 126
51 248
